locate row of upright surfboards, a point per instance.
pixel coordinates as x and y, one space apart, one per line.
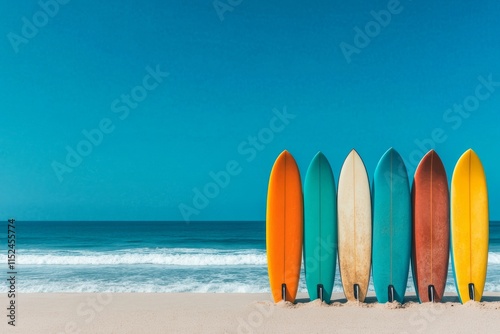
379 229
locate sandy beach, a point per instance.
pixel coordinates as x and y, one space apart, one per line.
242 313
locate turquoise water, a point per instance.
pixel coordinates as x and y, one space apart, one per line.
159 257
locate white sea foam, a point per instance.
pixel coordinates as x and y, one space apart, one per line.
126 284
257 286
174 257
195 287
161 256
189 270
493 258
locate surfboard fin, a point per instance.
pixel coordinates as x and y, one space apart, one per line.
391 293
283 291
320 291
471 291
431 291
356 292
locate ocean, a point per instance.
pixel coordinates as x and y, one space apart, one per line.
200 257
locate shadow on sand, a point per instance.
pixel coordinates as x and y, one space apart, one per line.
411 298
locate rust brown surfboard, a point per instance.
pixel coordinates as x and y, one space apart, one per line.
431 228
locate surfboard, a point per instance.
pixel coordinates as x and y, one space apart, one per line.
391 228
431 228
320 228
469 227
284 228
354 227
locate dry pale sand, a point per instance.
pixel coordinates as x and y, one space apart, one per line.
242 313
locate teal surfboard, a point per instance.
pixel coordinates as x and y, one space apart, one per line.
320 228
391 228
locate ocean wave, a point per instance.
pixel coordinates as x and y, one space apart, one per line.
173 257
180 287
183 285
493 258
229 280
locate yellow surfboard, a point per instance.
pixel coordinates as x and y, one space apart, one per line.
469 227
284 228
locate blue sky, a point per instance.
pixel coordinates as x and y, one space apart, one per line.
170 93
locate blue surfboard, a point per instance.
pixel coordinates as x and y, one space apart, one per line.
392 226
320 228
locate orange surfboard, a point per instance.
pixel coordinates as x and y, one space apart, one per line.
284 228
431 228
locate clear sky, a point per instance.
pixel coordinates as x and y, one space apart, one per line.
125 111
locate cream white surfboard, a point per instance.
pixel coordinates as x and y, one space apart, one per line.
354 227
